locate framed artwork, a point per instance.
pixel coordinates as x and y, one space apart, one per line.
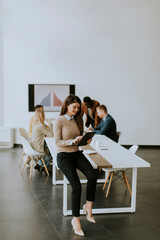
50 96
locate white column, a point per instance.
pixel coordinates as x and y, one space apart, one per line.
1 66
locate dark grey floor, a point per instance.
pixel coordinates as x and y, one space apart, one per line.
32 209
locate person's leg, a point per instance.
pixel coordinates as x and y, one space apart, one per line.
85 167
77 226
47 160
39 162
66 164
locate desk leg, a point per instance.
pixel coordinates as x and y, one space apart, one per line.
131 209
134 189
54 173
54 177
65 196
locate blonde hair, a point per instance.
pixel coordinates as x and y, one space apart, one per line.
39 116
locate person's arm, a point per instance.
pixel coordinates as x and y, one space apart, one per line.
30 126
48 130
82 110
97 120
97 128
58 135
104 128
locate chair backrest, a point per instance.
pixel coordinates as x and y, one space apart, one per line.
118 134
27 148
134 148
23 133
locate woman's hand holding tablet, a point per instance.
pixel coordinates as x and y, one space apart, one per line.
85 138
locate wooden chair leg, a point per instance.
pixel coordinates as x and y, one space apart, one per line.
127 183
45 166
21 159
37 158
25 164
109 185
31 167
106 180
124 181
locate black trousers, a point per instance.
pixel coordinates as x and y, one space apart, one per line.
68 163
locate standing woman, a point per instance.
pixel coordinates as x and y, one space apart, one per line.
68 130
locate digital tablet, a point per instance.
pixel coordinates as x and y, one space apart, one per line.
85 138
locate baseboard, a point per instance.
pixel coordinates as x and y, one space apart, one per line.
144 146
126 146
17 146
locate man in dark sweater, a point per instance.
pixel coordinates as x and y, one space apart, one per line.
107 125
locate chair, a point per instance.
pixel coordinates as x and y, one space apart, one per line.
118 134
107 171
30 152
24 134
117 172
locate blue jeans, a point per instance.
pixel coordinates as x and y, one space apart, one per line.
47 160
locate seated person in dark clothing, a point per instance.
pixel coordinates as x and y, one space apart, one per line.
107 125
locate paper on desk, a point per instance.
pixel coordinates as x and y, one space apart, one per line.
89 152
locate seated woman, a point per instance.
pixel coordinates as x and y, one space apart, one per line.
39 132
68 132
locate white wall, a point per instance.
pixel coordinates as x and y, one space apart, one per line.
1 66
109 49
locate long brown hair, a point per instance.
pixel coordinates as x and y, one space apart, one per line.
69 100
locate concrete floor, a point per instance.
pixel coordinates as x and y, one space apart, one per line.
32 209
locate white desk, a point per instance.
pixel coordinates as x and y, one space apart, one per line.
119 157
53 150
